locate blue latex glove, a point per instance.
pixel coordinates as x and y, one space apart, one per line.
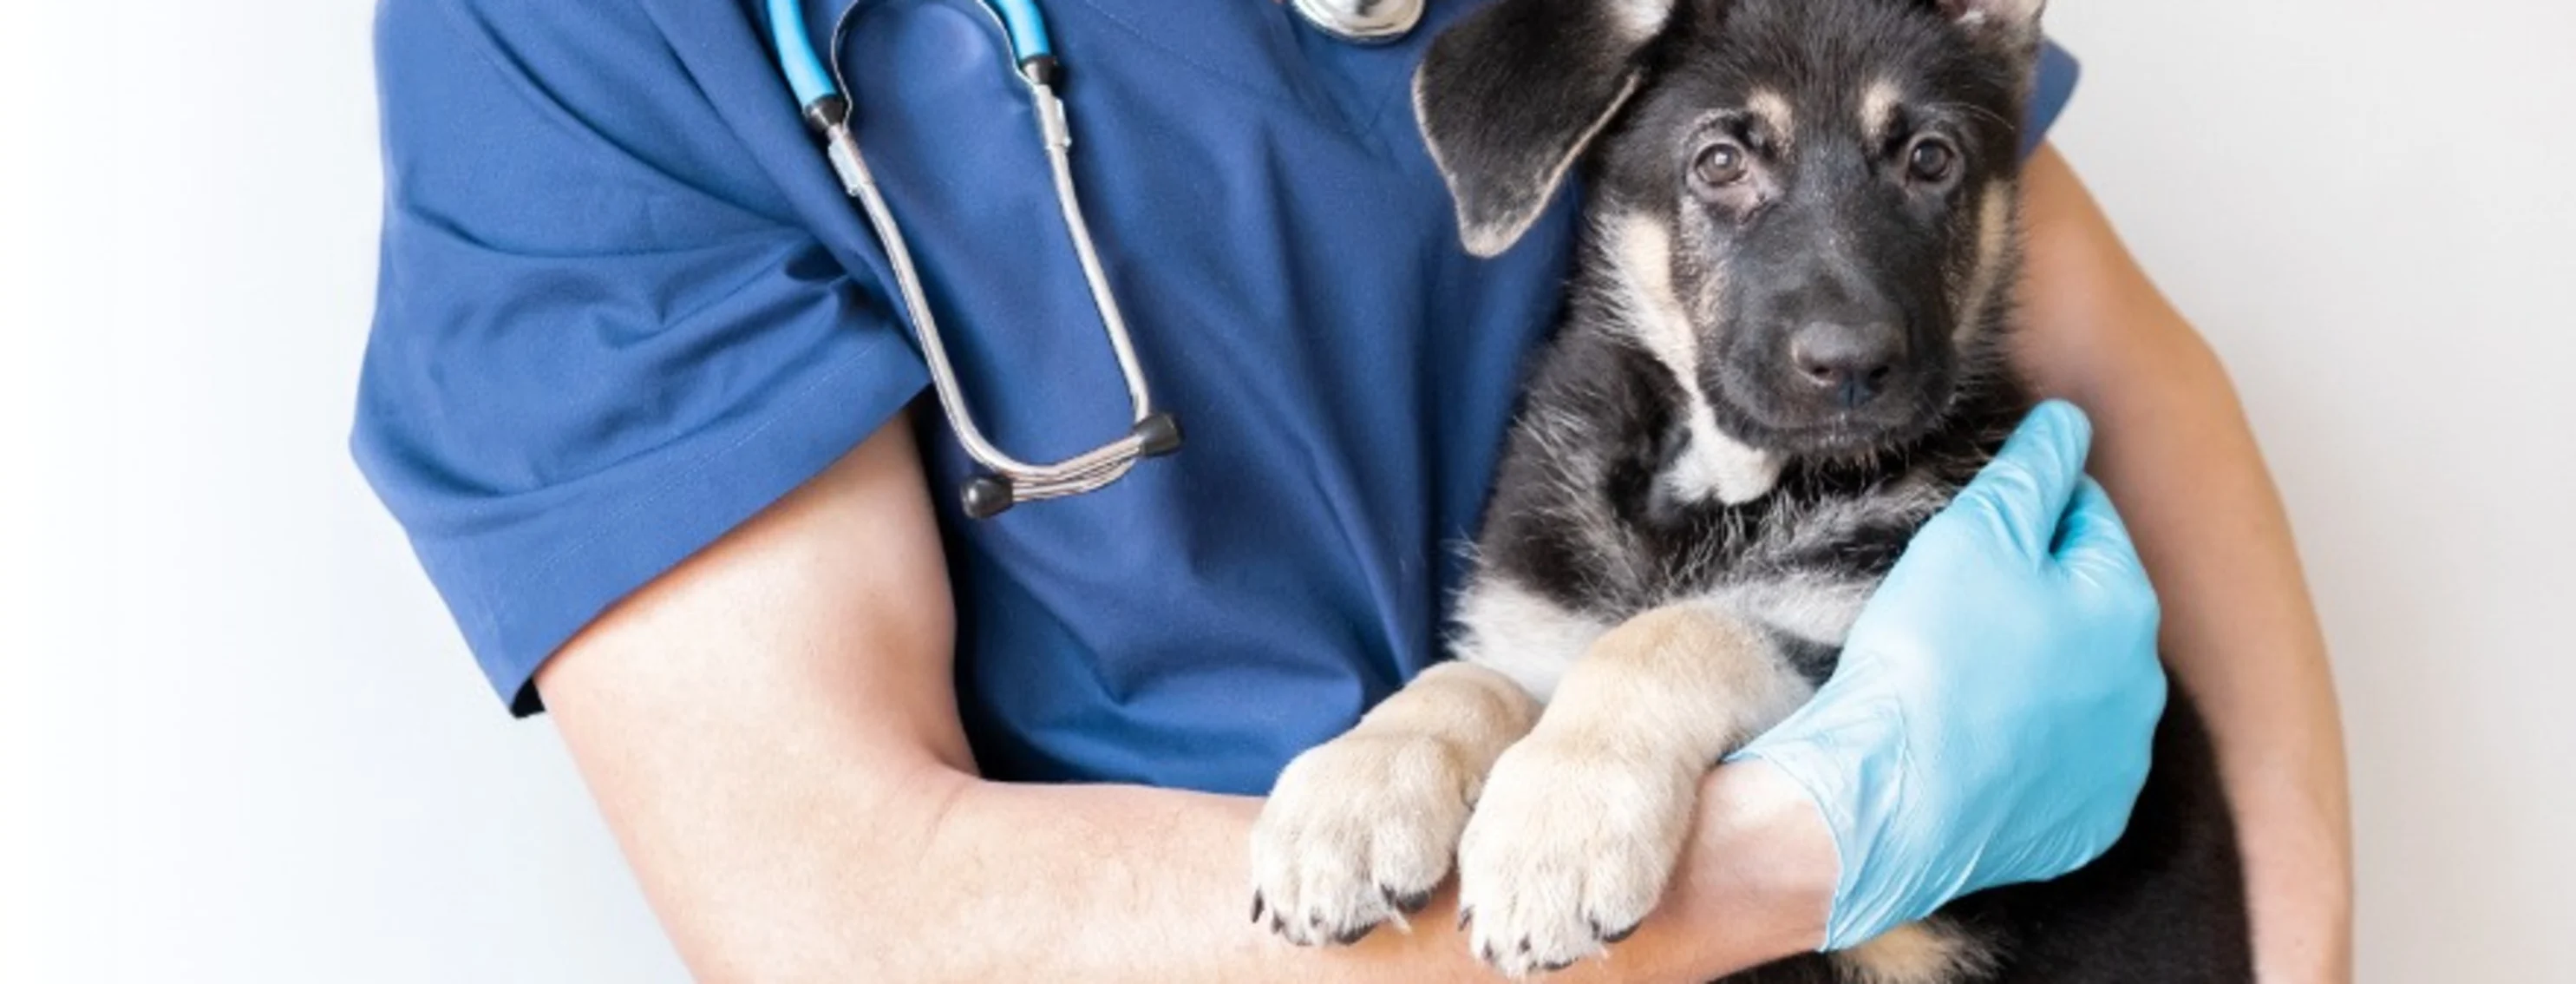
1991 720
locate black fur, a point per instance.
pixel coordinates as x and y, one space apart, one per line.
1823 228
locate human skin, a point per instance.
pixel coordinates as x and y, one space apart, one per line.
2172 445
771 728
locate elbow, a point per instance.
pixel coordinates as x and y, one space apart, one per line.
858 885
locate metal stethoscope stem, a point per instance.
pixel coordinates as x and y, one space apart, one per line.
1008 480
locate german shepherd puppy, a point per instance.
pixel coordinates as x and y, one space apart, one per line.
1782 351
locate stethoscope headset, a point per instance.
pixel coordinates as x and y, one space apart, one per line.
1007 481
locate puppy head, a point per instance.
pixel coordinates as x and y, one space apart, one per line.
1806 205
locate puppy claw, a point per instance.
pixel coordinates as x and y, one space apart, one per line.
1356 833
1256 907
1411 903
1569 842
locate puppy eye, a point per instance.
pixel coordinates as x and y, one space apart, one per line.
1721 164
1932 161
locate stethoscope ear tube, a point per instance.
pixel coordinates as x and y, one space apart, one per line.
804 69
1006 481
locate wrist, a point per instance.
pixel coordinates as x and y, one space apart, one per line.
1762 864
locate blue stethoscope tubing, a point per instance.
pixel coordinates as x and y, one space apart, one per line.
1006 481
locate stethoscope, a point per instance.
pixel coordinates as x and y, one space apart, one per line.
1007 481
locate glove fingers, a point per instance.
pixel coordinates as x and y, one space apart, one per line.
2093 543
2025 490
2099 559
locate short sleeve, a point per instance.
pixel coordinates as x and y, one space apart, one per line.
603 338
2049 94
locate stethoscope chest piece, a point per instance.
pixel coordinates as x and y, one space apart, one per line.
1361 21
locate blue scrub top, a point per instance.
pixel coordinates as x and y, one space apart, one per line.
624 306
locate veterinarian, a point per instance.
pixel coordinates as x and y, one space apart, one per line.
641 392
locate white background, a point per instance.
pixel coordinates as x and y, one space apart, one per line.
239 741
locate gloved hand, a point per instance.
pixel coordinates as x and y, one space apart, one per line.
1991 720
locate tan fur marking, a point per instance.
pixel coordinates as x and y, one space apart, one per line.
1521 634
1582 821
1994 234
1639 19
1715 464
1878 111
1689 678
1773 110
1466 705
1929 952
2018 15
1381 808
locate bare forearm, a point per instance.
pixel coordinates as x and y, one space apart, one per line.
2176 452
771 730
1109 883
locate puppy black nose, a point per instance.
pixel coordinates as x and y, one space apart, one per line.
1850 364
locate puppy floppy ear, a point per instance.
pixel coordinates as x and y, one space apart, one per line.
1512 94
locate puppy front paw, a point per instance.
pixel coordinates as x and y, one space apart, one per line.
1569 849
1358 831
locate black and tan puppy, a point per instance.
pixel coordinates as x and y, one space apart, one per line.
1781 353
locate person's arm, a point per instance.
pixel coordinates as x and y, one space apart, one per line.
771 731
2175 451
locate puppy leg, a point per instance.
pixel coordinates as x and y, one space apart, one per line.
1933 951
1361 829
1582 821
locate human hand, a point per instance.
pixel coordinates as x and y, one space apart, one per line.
1991 719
